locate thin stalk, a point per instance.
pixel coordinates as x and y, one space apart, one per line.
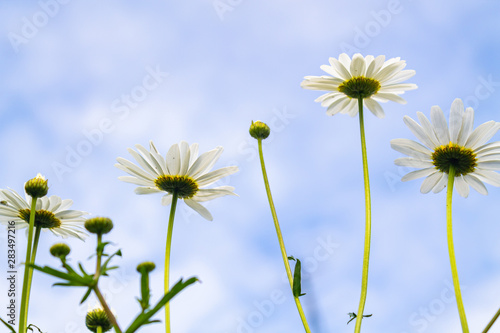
492 321
280 238
366 255
32 262
167 257
106 308
23 315
96 290
451 250
99 329
99 255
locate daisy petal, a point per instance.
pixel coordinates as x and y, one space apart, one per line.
418 174
374 107
476 184
419 132
199 209
412 162
456 115
462 187
173 160
411 148
146 190
440 126
166 200
441 184
430 182
214 176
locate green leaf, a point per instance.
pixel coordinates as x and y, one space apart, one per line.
73 278
31 329
8 326
297 277
353 316
104 267
143 317
87 294
82 270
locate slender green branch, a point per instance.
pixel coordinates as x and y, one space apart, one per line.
451 250
106 308
167 257
280 238
492 321
23 315
366 255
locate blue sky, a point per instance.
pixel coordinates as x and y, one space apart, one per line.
83 81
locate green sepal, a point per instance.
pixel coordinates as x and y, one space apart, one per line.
8 326
297 278
144 316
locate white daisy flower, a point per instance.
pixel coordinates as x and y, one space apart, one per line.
372 79
181 171
458 146
52 213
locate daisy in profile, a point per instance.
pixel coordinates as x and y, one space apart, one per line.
37 212
351 84
458 150
52 213
181 174
455 156
368 79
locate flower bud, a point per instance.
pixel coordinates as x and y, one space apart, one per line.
98 317
36 187
259 130
146 267
60 250
99 225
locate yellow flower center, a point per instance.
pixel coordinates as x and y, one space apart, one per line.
462 159
360 87
43 218
184 186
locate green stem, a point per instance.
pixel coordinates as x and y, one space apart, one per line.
23 315
167 257
99 329
453 263
366 255
280 238
32 262
99 255
492 321
106 309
